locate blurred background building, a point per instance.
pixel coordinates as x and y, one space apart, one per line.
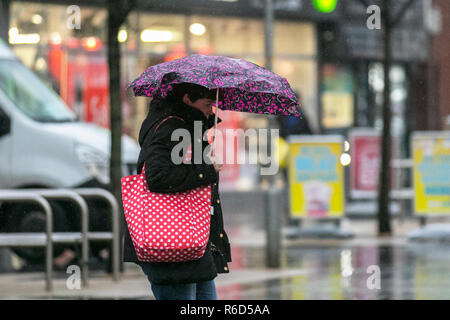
333 60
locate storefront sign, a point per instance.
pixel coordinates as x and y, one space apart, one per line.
300 9
431 172
407 44
316 176
409 39
96 94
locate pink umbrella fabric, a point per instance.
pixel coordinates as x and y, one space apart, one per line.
244 86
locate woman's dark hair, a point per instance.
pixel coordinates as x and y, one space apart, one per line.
178 91
194 91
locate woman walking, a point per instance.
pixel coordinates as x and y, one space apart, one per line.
186 103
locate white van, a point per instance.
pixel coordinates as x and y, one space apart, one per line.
43 145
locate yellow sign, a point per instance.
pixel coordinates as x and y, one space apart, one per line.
316 176
431 170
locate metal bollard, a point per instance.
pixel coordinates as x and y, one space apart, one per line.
273 228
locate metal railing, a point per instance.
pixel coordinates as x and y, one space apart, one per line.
403 193
114 236
41 197
68 237
21 240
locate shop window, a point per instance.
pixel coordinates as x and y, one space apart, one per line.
293 38
302 77
228 36
337 96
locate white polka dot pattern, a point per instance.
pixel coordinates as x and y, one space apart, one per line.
166 227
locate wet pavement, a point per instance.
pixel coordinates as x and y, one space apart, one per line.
311 269
363 267
406 271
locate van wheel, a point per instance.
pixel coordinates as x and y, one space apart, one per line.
31 218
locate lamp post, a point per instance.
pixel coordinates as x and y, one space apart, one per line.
272 214
384 221
4 19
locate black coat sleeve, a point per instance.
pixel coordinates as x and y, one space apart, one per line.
164 176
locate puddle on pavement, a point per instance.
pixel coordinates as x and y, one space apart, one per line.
414 271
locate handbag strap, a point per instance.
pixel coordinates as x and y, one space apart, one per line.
156 128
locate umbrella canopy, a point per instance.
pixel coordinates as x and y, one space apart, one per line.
244 86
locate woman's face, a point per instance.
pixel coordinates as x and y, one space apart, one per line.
204 105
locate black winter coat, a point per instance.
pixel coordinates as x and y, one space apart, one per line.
164 176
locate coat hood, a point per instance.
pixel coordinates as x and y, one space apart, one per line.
160 109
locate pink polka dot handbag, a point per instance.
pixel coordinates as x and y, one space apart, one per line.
166 227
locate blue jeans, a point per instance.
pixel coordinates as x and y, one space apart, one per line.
205 290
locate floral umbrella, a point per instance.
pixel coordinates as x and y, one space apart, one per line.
244 86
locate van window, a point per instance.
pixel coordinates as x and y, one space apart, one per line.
31 95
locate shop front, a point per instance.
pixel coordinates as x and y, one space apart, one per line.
66 46
351 89
351 73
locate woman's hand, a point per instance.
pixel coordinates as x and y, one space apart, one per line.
218 166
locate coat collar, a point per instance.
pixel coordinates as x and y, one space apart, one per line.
161 108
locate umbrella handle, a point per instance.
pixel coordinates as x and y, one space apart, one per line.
215 122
